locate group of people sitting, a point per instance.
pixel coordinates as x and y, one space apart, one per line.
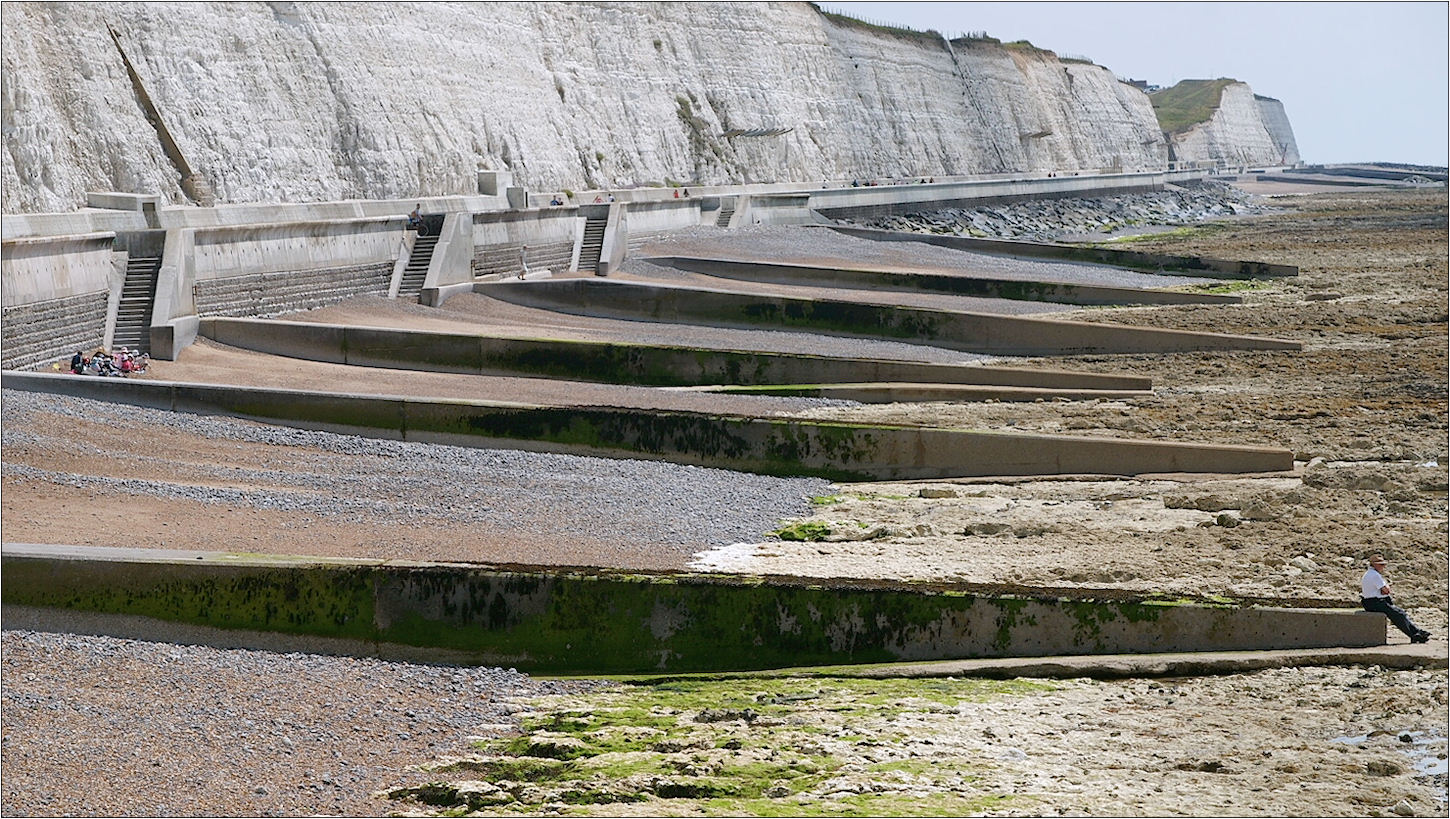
124 362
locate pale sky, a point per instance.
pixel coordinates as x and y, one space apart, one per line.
1360 82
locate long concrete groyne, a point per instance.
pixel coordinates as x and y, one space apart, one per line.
959 284
1132 259
969 332
617 362
887 392
838 451
560 620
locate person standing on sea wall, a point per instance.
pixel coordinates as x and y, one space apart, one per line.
1375 595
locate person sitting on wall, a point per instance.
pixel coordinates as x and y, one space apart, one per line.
1375 596
415 219
677 193
78 363
556 201
599 199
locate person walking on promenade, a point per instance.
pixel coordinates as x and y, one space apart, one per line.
1375 594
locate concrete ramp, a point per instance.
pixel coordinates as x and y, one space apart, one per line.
587 621
771 446
969 332
958 284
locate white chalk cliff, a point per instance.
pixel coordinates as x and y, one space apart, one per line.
255 102
1276 122
1244 129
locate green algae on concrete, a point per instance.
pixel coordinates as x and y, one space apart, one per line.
336 603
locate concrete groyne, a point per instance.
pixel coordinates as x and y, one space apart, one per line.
959 284
1131 259
838 451
561 620
618 363
956 330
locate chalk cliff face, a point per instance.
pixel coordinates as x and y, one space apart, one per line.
258 102
1238 133
1277 124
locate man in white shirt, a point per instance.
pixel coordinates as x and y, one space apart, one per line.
1375 594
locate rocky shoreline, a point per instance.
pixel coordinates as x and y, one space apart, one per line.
1083 219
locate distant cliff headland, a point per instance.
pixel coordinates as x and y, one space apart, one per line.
280 101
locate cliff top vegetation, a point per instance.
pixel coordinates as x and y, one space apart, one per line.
1020 46
975 38
928 37
1188 103
1024 45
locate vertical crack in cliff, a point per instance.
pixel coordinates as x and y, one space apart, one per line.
347 136
973 104
193 185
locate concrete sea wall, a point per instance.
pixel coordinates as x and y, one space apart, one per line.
57 295
577 621
64 272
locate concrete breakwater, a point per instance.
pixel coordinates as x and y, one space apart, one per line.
957 330
618 363
1132 259
763 445
962 285
592 621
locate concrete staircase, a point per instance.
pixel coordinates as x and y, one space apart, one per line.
133 313
417 270
727 212
592 244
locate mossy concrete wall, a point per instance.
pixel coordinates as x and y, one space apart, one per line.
959 285
587 621
612 362
1136 260
761 445
955 330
